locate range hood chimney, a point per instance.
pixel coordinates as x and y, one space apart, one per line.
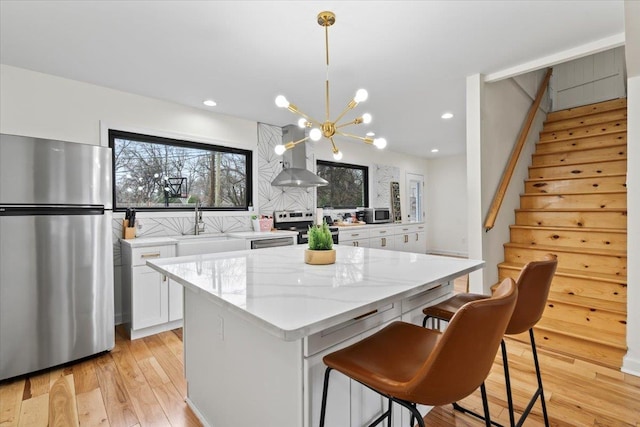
294 172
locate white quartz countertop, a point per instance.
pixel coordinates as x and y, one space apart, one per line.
274 289
142 242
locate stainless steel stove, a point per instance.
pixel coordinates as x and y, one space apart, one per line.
299 221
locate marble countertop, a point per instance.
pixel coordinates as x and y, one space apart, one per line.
141 242
274 289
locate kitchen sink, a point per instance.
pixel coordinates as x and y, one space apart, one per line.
206 244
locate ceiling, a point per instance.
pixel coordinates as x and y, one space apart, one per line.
413 57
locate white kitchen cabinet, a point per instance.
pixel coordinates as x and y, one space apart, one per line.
411 238
151 303
358 238
149 297
382 238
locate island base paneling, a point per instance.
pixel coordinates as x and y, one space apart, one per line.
281 381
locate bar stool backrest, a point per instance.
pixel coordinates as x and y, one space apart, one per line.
534 283
464 355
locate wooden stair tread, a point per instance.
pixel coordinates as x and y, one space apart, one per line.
619 113
582 132
579 301
586 110
582 332
572 210
603 277
607 136
591 125
584 177
553 228
576 163
572 194
586 251
582 150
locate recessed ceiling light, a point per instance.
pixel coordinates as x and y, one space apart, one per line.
210 103
371 133
435 150
447 115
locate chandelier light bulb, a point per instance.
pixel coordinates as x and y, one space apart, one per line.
366 118
302 123
315 134
281 101
337 155
361 95
380 143
279 149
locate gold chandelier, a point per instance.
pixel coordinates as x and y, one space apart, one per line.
328 128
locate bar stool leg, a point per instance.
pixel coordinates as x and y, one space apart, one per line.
485 405
540 391
325 389
507 382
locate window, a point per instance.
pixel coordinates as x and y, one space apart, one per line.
154 173
348 185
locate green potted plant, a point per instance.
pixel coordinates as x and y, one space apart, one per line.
320 250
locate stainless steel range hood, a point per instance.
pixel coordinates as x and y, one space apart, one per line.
294 162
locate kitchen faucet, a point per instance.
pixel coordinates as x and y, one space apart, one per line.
199 223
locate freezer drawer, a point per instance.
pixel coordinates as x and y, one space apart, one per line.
56 290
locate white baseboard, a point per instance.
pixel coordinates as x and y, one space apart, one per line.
197 413
631 366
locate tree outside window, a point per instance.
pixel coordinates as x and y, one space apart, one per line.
158 173
348 185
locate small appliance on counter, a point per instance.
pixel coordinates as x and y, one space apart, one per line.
377 215
299 221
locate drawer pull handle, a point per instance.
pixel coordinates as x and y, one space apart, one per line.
151 255
362 316
355 234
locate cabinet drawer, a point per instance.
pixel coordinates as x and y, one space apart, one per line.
353 234
139 256
336 334
427 298
382 231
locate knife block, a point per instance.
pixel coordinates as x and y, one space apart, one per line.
128 232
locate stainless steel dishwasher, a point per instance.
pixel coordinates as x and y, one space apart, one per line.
272 242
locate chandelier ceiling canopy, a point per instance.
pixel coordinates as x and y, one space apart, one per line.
329 128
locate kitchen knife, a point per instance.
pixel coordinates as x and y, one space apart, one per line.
132 218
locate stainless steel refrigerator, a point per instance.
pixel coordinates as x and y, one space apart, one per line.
56 253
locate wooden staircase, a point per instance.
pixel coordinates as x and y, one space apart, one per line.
575 206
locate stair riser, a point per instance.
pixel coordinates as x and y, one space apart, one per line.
578 239
602 219
595 352
574 201
592 119
581 132
601 321
574 171
577 185
582 143
587 110
607 264
580 156
564 288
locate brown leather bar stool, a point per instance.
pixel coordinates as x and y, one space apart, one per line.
533 284
411 365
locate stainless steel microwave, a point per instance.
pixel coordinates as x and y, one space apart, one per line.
377 215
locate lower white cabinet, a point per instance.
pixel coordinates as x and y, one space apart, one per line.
397 237
151 303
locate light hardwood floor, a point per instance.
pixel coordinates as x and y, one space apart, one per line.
140 383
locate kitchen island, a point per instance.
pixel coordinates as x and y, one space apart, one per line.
257 324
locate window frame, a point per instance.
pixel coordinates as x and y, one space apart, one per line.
134 136
365 170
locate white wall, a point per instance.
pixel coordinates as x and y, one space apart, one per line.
631 362
446 204
503 108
